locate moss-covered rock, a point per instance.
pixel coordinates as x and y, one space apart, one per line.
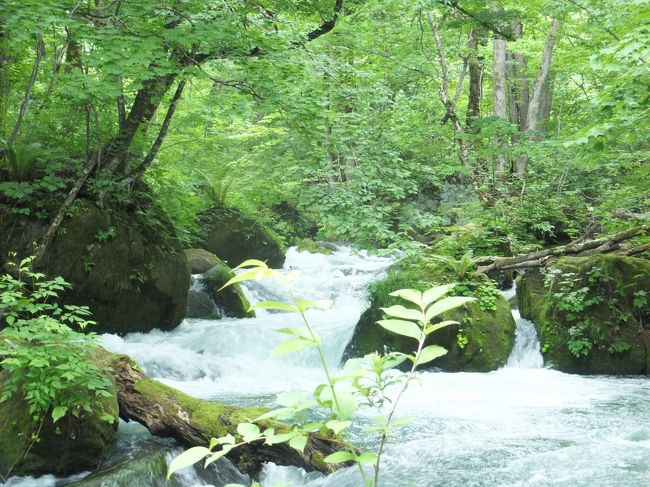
125 266
481 343
68 446
230 300
592 313
200 260
308 245
235 237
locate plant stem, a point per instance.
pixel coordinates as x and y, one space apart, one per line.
409 377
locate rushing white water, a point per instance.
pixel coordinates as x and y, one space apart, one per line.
522 425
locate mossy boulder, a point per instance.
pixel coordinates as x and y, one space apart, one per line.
68 446
592 313
127 267
230 300
235 237
481 343
308 245
200 260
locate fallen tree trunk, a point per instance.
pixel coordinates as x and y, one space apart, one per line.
538 259
168 412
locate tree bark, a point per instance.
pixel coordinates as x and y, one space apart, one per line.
168 412
538 259
475 77
518 93
499 101
542 77
40 52
153 152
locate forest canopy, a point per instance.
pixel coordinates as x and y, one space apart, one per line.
379 122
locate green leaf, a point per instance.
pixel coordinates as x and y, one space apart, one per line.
412 295
187 459
435 293
252 263
339 457
301 331
277 305
337 426
399 311
316 304
431 328
292 345
427 354
298 442
400 327
58 412
246 276
446 304
346 402
248 431
214 456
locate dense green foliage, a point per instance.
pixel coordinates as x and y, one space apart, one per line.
44 359
358 112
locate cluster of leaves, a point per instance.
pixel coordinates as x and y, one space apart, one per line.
364 382
43 359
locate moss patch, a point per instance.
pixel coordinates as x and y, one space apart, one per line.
68 446
489 334
592 313
126 267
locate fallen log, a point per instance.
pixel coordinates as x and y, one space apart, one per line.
539 259
168 412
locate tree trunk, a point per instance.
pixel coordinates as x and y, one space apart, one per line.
475 77
40 52
538 259
517 80
534 110
499 100
168 412
142 111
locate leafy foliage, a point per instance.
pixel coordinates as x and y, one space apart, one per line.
43 359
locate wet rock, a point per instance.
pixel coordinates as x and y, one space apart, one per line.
235 237
592 313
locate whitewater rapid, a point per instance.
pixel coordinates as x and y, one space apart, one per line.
522 425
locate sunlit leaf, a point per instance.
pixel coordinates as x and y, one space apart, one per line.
427 354
187 459
399 311
400 327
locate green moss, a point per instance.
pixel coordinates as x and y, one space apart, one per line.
489 333
136 280
200 260
71 445
596 310
308 245
235 237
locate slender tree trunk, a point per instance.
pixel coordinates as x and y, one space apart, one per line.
540 102
142 111
534 109
40 52
475 77
499 101
518 93
153 152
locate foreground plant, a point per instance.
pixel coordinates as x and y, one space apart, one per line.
43 358
363 382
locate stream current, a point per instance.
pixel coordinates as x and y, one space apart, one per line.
522 425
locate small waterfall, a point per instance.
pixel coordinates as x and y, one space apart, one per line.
525 353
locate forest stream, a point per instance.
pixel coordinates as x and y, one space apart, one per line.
522 425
